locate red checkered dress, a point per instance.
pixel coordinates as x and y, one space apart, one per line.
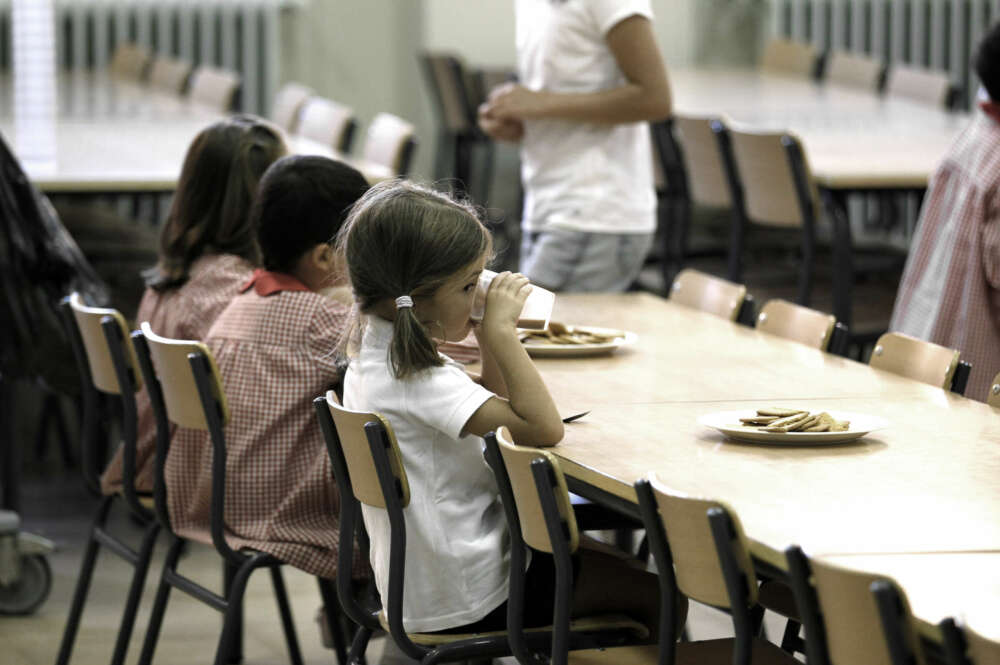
950 292
275 346
183 313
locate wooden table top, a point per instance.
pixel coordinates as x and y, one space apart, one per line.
927 482
120 137
854 139
968 592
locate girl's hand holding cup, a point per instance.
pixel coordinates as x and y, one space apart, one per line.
504 302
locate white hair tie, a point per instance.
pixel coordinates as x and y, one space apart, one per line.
404 301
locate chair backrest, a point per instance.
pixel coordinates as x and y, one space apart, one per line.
916 359
708 293
784 56
214 88
169 75
854 70
288 104
778 189
981 649
797 323
327 122
993 395
517 460
445 74
706 177
697 568
129 62
351 430
180 392
917 84
89 321
852 625
389 142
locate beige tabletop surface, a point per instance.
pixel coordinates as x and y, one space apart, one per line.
964 586
928 482
853 138
120 137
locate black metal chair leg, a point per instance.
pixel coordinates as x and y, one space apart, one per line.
790 640
229 572
160 603
334 621
359 646
285 610
235 589
82 584
143 557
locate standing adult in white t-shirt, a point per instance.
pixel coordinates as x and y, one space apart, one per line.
591 77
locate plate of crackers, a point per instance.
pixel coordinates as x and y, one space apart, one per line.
560 340
790 426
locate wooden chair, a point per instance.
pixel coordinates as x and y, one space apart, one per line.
980 649
327 122
846 614
689 173
185 389
368 469
920 85
924 361
701 551
801 324
129 62
704 292
459 136
993 398
288 105
169 75
770 185
390 142
214 88
107 365
854 70
541 517
790 58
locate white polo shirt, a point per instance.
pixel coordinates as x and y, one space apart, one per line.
581 176
457 545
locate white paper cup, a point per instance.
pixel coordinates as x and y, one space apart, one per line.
537 308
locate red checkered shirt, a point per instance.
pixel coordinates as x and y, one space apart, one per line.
276 348
950 291
186 312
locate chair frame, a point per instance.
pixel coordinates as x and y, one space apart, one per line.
238 565
673 210
803 192
379 443
99 535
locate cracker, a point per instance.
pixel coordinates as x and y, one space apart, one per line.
779 412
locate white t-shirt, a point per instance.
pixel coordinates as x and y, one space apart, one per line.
457 544
581 176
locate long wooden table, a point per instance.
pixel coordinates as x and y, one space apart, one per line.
115 137
855 139
927 483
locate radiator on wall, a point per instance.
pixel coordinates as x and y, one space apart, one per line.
938 34
240 35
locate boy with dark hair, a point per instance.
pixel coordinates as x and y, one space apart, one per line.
950 291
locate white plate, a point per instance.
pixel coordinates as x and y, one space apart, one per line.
538 348
728 422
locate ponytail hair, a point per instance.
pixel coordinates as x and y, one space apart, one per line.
405 239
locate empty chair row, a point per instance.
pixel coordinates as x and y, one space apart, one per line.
390 141
894 352
207 86
799 59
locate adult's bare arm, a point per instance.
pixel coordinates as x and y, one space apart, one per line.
645 96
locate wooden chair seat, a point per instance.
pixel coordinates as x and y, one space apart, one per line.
593 624
993 396
704 292
648 653
721 651
916 359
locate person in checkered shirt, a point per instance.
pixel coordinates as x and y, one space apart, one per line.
207 251
276 348
950 291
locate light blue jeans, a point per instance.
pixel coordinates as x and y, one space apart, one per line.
564 260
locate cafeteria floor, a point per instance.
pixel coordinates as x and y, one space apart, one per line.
56 505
